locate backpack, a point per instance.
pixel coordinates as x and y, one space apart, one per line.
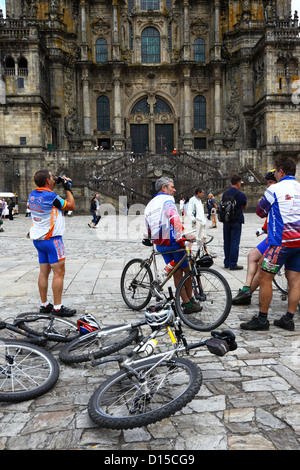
227 209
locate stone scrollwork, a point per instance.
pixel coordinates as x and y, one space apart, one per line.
71 123
232 119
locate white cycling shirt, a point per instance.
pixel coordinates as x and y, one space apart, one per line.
281 201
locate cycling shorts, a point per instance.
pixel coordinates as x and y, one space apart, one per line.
277 256
50 251
262 246
168 257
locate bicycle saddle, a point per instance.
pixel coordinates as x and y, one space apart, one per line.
147 242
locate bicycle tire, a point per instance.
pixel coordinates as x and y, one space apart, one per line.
26 371
216 305
121 402
281 282
135 284
97 344
51 327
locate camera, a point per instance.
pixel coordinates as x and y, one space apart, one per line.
67 184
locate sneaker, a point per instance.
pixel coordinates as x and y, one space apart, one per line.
63 312
286 325
255 324
235 268
47 309
194 308
242 298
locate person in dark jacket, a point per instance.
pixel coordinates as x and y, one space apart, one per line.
232 230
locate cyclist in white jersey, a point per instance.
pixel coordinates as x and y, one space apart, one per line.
281 202
48 224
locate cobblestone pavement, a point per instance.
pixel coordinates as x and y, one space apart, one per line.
250 399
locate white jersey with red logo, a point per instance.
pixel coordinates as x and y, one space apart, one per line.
281 202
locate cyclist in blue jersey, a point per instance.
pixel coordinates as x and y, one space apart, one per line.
48 224
281 202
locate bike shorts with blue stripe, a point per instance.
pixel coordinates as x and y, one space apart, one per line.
262 246
168 257
50 251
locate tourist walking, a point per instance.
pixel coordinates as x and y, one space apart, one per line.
95 211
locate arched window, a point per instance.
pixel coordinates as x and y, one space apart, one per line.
199 50
103 114
10 66
141 107
101 50
149 4
199 113
23 67
150 46
161 107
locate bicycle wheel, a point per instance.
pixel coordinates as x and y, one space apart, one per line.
97 344
135 284
212 292
51 327
154 391
281 282
26 371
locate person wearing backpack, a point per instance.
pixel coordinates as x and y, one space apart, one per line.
230 212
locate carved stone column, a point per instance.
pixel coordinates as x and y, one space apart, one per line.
118 137
187 123
186 31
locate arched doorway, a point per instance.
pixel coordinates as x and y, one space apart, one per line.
152 126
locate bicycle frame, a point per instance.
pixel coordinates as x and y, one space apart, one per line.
188 255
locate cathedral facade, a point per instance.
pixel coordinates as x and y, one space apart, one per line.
212 79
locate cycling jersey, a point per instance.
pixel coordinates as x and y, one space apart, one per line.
281 202
163 221
46 209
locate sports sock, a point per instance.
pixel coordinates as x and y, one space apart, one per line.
288 317
57 307
245 288
263 317
188 304
45 304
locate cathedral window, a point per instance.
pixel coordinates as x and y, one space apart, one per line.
161 107
149 4
22 67
103 114
169 4
199 50
141 106
10 66
130 5
101 50
199 113
150 46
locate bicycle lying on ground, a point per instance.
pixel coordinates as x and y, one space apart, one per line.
146 390
209 288
27 370
100 342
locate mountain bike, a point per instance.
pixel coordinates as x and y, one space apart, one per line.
146 390
46 327
26 370
140 281
281 282
102 342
